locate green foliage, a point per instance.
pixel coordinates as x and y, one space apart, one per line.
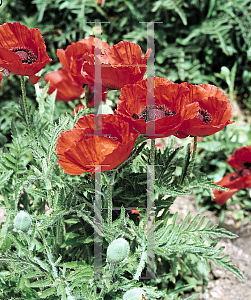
200 41
54 259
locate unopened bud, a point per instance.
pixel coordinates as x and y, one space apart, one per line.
118 250
22 221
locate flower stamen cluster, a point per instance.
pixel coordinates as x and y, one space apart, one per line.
27 56
204 116
153 112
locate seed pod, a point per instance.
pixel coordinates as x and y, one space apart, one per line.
134 294
22 221
118 250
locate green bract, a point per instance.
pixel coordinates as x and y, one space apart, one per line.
134 294
118 250
22 221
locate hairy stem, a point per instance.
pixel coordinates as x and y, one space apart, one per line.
24 104
190 167
110 204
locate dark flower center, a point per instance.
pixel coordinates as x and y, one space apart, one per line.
153 112
234 177
243 172
27 56
247 164
204 116
111 86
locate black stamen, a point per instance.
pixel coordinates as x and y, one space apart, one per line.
204 116
27 56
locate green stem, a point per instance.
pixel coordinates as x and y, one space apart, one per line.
24 104
110 184
190 167
86 96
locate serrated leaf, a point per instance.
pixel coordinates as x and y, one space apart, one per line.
48 292
41 283
4 177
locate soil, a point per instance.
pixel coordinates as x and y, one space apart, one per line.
223 285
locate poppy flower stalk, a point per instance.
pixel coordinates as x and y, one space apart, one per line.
24 105
190 167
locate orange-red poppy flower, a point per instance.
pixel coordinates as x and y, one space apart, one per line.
214 111
79 150
67 89
135 211
121 64
73 57
168 113
77 108
240 158
22 51
235 181
221 197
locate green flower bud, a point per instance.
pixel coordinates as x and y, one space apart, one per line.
118 250
22 221
134 294
3 140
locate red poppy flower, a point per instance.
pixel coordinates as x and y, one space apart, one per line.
99 2
121 64
240 158
168 113
77 108
73 57
135 211
221 197
235 182
67 89
79 151
22 51
214 111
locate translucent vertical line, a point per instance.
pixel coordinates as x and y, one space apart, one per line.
98 224
150 131
97 81
150 271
